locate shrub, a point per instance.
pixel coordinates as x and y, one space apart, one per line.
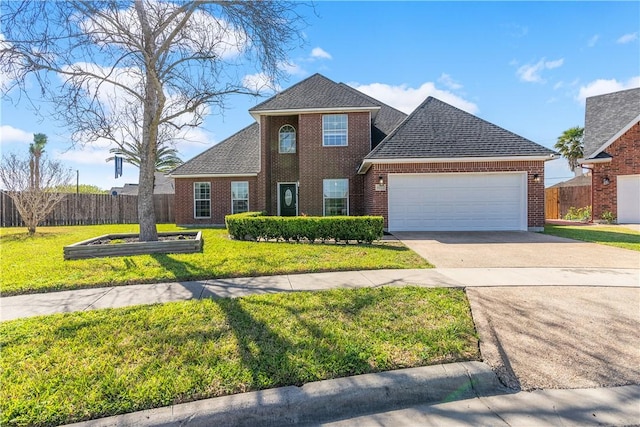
257 226
578 214
608 217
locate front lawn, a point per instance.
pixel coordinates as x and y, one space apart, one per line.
603 234
36 264
77 366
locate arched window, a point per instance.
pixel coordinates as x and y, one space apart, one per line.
287 139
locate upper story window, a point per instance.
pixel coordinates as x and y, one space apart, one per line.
202 200
239 197
334 130
287 139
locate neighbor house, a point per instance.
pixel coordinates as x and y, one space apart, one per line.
612 154
162 184
324 148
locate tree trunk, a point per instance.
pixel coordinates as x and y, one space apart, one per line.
146 210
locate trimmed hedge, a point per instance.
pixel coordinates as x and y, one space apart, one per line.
258 226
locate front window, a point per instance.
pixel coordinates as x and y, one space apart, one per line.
336 197
287 139
334 130
202 200
239 197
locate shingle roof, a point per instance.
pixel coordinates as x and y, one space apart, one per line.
606 115
385 120
314 92
237 155
438 130
578 181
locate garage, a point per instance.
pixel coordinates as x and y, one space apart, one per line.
628 199
457 201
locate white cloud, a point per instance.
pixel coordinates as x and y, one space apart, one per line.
558 85
593 40
319 53
406 98
293 69
259 83
10 134
448 81
532 72
627 38
85 156
602 86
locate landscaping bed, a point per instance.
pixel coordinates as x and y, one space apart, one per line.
128 244
71 367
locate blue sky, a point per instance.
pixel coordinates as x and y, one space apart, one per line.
524 66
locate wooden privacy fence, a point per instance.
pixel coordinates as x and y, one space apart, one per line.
558 200
90 209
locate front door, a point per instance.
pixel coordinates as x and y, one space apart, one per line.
288 199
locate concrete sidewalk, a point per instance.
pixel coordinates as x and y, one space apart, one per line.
120 296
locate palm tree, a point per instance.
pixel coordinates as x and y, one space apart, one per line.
570 144
167 157
36 149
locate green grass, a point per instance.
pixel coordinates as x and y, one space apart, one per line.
77 366
36 264
607 235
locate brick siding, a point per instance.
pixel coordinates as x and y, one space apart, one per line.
626 161
220 199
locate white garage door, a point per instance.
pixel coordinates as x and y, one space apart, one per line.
629 199
457 202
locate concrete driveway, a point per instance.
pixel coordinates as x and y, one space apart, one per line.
514 249
545 336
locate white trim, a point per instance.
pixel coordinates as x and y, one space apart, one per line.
248 195
587 162
366 164
616 136
256 114
287 183
194 200
348 193
346 137
220 175
295 140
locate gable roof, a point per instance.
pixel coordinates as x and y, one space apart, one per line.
607 116
437 130
316 93
237 155
385 120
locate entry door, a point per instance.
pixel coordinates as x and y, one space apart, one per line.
288 199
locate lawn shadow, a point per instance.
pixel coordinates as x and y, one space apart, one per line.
275 360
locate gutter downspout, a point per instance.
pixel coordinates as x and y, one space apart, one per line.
592 187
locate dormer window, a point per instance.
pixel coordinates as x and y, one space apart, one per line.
287 139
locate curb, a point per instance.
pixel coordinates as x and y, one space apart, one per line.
323 400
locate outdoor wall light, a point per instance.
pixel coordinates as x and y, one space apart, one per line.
536 178
381 180
606 180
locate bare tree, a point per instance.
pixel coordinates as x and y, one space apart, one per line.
166 63
34 200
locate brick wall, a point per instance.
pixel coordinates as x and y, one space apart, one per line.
318 162
626 161
312 162
376 201
220 199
